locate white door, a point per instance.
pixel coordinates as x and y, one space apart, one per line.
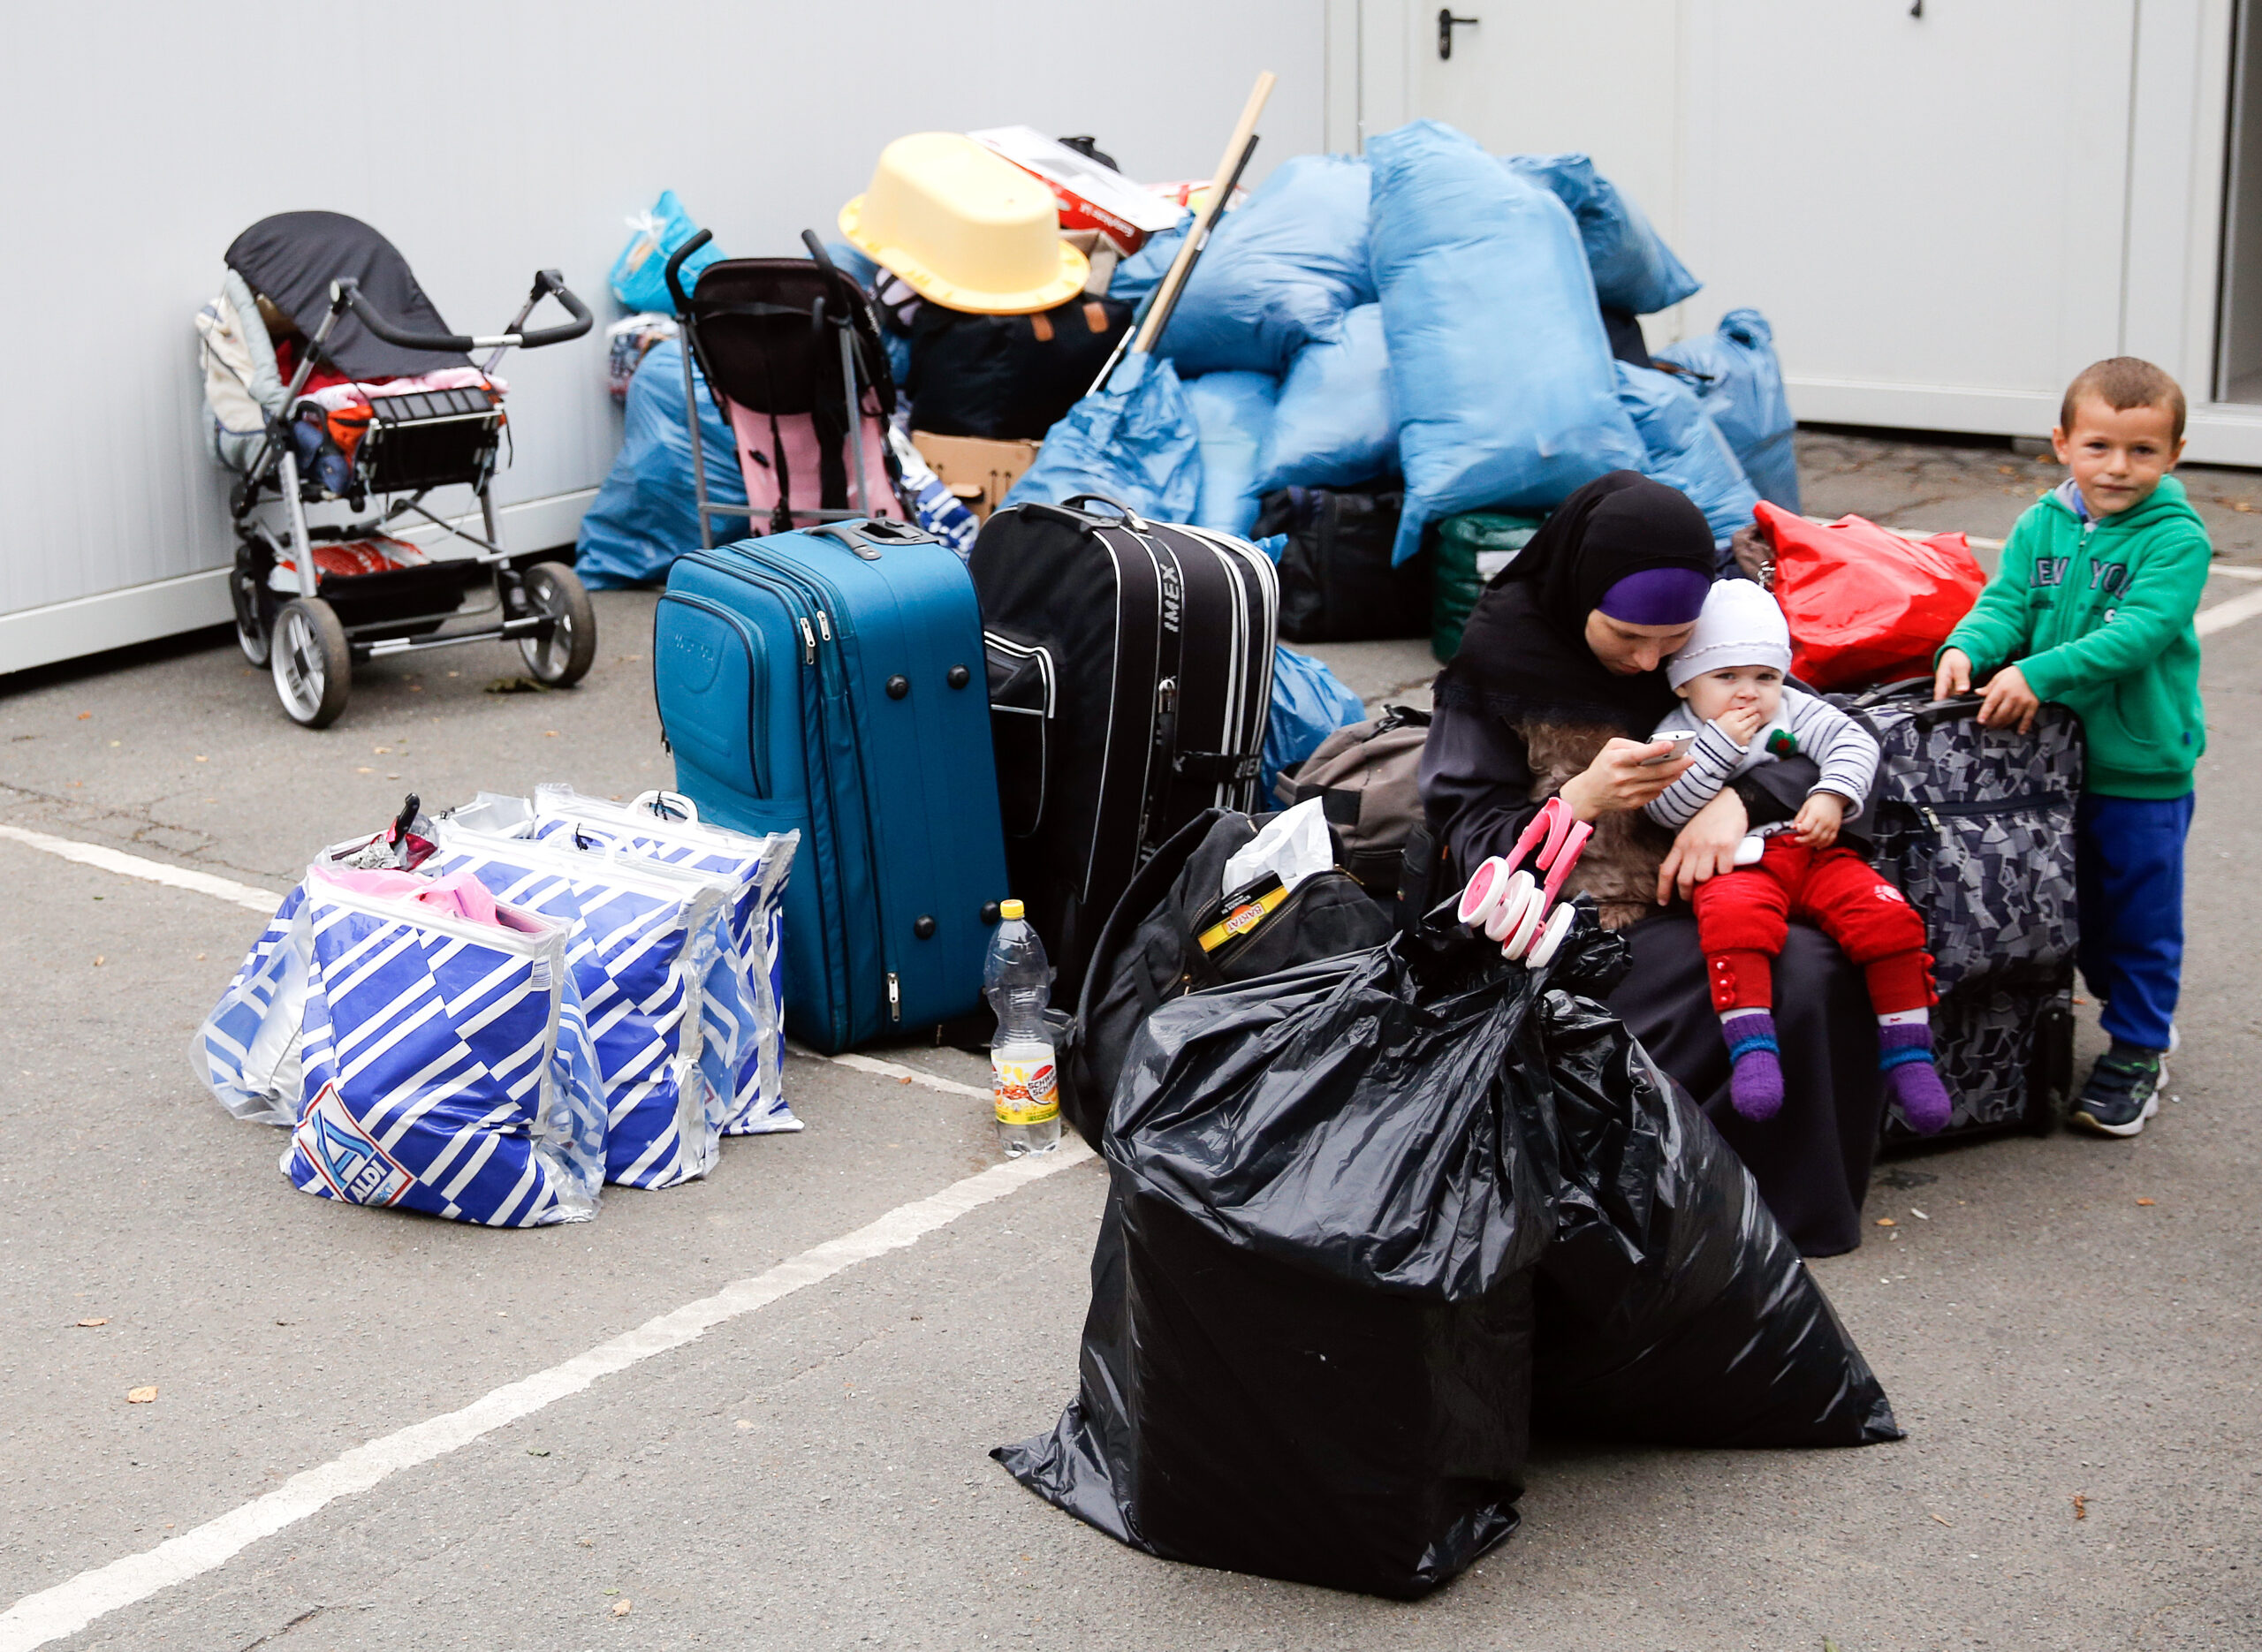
1541 77
1929 207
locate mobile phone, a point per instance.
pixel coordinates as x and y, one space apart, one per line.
1681 739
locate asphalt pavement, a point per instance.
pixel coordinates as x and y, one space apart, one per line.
2068 1327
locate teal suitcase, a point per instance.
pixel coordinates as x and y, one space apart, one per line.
831 681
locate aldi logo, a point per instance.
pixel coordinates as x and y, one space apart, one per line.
348 1159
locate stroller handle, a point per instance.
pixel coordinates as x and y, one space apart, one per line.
346 294
675 263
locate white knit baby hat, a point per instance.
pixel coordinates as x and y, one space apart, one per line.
1741 626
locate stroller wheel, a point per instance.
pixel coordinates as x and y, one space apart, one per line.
565 656
251 625
313 666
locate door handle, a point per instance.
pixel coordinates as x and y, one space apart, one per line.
1447 23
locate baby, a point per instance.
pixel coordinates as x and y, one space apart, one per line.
1729 677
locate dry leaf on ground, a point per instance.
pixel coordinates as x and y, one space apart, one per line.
620 1609
88 1324
2147 1201
2081 1506
140 1396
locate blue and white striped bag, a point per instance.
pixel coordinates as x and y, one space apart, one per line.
422 1060
248 1050
757 870
645 941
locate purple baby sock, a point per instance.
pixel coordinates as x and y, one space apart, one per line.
1756 1084
1905 1055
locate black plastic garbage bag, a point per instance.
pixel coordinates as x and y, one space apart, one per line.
1309 1349
1670 1306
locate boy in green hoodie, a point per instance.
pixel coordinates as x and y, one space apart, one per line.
2092 606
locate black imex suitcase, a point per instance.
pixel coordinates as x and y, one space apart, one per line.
1130 679
1977 827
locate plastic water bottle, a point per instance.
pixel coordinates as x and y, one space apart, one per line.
1018 981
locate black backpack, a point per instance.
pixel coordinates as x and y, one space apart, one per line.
1176 930
1336 582
1007 378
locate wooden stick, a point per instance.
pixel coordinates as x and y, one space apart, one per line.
1228 164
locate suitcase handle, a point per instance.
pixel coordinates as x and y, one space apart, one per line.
1930 711
1076 519
1124 513
866 538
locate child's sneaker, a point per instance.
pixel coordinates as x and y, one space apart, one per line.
2122 1092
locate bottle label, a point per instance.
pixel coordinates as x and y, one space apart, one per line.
1027 1090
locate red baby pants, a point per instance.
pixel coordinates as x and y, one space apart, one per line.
1742 917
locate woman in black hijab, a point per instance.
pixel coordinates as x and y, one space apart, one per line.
1554 692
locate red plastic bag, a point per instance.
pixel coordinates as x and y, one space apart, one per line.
1866 605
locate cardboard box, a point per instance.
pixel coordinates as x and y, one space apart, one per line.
1090 196
976 470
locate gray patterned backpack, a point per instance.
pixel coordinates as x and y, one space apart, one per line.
1977 827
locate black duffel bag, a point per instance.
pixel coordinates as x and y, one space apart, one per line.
1007 378
1336 582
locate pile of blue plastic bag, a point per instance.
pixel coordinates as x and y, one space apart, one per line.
1431 311
1426 311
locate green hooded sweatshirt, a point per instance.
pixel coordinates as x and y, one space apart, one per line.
2098 614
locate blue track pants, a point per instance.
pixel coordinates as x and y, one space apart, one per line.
2129 869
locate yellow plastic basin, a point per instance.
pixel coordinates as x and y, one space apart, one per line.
965 227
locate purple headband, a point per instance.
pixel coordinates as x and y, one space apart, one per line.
1657 596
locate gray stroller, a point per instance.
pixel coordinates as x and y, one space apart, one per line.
329 376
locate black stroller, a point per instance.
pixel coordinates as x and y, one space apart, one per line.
791 353
330 376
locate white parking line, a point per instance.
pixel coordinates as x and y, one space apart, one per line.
67 1607
891 1070
151 871
2222 615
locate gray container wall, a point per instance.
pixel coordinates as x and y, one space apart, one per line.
485 140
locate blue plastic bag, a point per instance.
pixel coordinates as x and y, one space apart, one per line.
1135 443
1280 271
640 274
1634 270
1309 702
1232 411
1499 364
646 514
1142 272
1335 424
1741 383
1687 449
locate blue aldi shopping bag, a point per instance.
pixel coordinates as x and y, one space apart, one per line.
754 870
647 943
428 1057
